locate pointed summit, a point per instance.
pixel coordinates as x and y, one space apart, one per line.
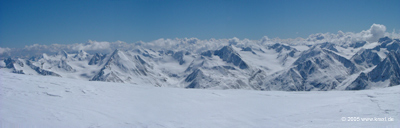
63 54
228 54
312 52
115 53
316 69
96 59
45 56
122 66
82 55
118 54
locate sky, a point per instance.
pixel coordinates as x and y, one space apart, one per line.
45 22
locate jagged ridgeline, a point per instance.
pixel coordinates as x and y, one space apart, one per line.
271 66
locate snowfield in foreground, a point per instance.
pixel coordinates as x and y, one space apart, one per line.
37 101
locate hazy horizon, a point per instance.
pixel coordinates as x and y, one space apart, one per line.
67 22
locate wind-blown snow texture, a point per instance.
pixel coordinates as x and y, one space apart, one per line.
343 61
35 101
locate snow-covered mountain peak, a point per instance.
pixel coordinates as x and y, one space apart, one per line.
228 54
45 56
312 52
329 46
63 54
126 66
366 58
118 54
82 55
385 40
96 59
386 73
232 64
279 47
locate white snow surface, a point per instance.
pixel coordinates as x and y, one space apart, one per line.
47 101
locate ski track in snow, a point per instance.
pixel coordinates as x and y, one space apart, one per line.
37 101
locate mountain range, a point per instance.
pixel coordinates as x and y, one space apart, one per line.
256 66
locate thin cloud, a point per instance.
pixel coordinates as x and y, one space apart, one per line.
4 50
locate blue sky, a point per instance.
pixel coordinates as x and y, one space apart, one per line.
75 21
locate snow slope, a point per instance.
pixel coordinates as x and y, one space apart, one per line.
37 101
